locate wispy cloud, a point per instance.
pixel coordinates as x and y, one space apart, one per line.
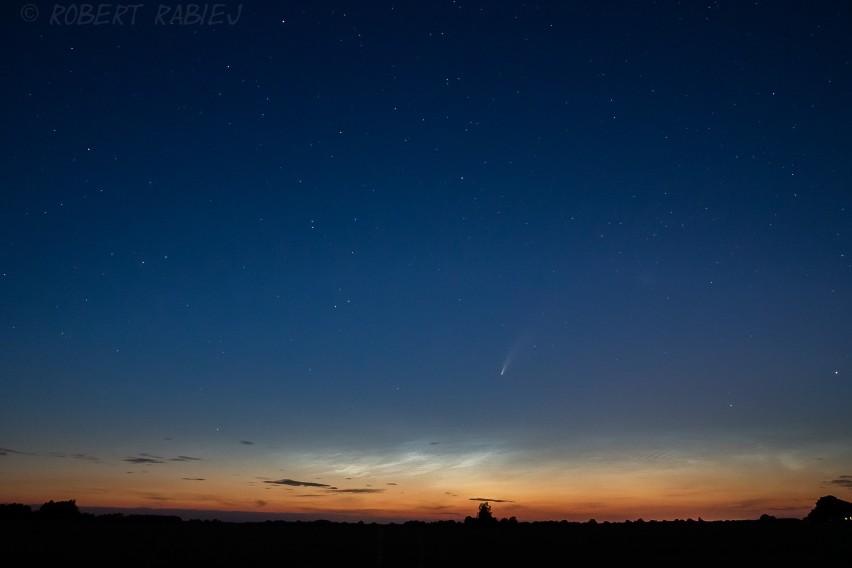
247 442
490 500
84 457
76 456
410 460
193 479
324 486
143 460
844 481
7 451
295 483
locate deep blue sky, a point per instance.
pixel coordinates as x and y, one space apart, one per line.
548 241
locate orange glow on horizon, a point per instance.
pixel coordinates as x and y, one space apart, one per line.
619 492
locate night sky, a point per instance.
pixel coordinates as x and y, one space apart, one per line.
384 260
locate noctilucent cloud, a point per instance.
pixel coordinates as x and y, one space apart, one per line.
384 261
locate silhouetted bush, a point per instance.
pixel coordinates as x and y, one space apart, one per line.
484 515
831 509
15 511
59 510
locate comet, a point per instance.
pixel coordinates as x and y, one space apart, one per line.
508 360
513 351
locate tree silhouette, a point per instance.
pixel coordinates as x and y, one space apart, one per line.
829 508
59 510
484 515
15 511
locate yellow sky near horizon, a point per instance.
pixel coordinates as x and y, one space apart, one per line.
435 483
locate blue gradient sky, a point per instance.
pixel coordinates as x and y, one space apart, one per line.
382 260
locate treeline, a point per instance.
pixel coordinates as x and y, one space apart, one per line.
68 511
58 530
827 509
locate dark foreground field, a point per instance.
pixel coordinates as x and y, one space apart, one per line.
157 542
